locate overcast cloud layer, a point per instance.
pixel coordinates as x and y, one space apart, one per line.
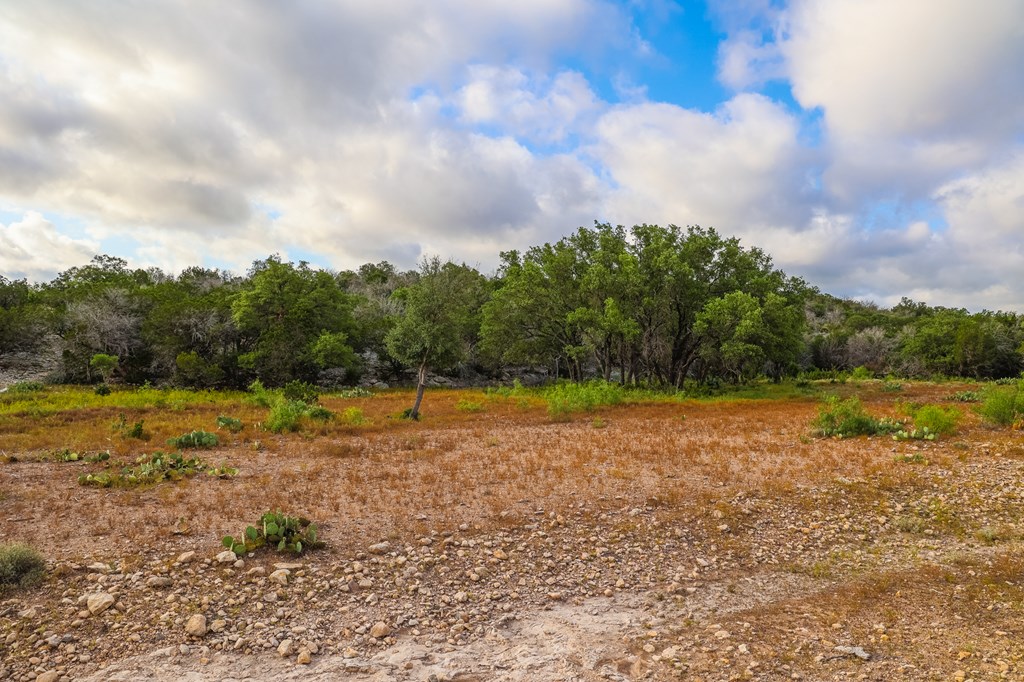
875 148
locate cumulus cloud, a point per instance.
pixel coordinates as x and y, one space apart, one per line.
296 125
349 131
32 248
738 169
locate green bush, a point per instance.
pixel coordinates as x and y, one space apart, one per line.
274 529
848 418
259 395
319 413
102 389
300 390
1003 405
353 416
942 421
285 416
20 566
194 439
26 387
862 374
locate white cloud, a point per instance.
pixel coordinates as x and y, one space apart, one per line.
737 169
539 108
32 248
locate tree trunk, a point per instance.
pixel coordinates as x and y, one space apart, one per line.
421 384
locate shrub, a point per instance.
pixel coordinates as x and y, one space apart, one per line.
862 373
1004 405
566 398
26 387
275 529
285 415
319 413
230 423
194 439
102 389
892 386
260 396
844 418
300 390
942 421
20 566
136 430
353 416
966 397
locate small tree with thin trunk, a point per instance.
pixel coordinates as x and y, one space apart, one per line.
440 320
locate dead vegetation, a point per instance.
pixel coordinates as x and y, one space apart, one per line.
909 549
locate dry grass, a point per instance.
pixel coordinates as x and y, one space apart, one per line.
363 482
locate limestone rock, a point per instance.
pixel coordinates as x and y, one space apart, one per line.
99 602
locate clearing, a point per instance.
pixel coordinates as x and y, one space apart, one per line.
710 540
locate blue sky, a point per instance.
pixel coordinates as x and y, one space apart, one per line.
175 133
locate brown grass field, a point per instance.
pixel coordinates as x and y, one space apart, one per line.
743 521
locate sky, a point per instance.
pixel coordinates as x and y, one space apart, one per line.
874 148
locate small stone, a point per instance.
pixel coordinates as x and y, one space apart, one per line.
500 555
48 676
186 557
99 602
380 630
196 625
284 649
304 657
854 651
379 548
226 557
280 576
218 625
158 581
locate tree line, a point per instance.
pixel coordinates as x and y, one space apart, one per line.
649 305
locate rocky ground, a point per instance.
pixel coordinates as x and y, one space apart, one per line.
910 571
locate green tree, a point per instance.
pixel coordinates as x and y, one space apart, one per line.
104 365
281 312
440 320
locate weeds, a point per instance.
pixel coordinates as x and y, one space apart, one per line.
565 399
353 416
465 405
966 397
136 430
